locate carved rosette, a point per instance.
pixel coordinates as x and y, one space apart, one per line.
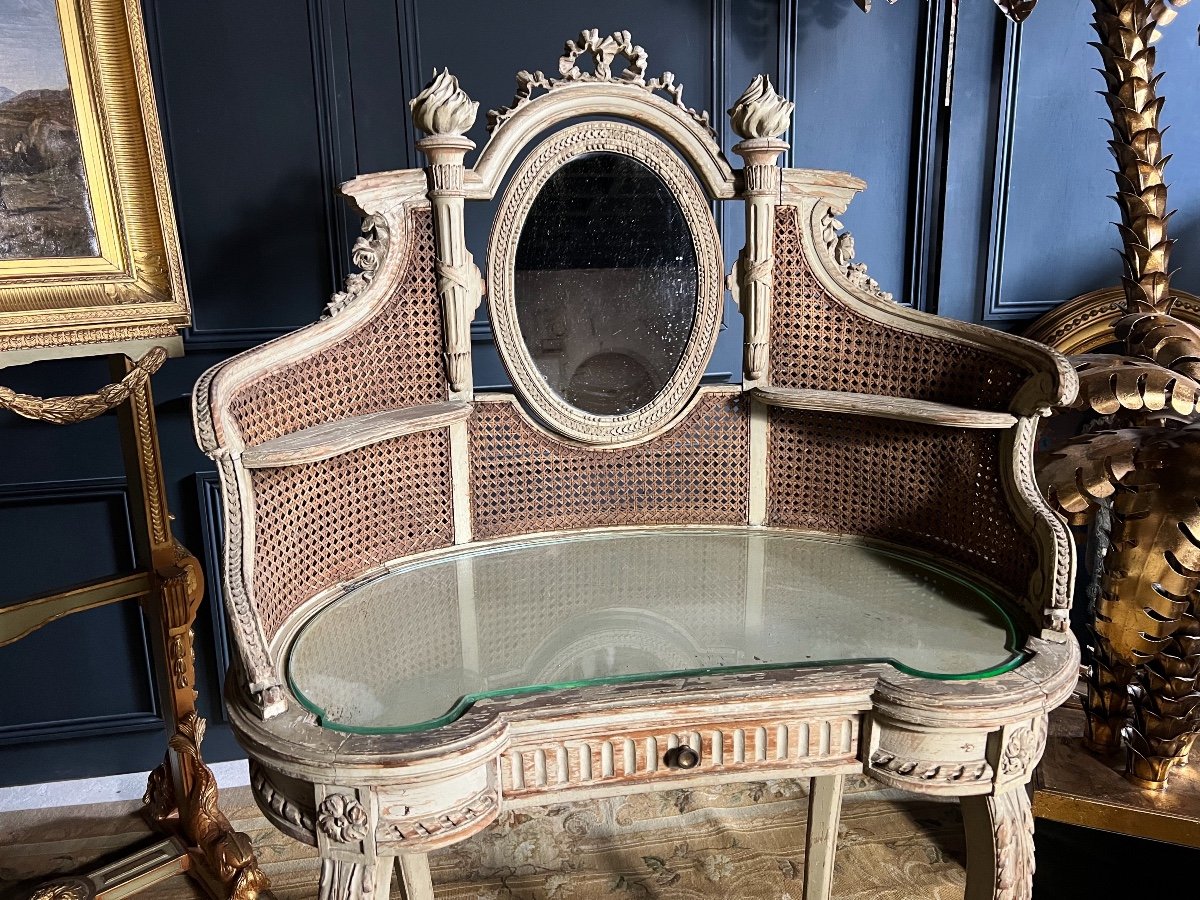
1023 749
342 819
367 254
840 245
603 51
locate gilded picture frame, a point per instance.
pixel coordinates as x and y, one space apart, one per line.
127 287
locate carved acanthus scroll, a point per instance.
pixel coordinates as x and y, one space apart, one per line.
604 51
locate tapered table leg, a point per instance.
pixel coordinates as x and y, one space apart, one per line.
824 809
415 879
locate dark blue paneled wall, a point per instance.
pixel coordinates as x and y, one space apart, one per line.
987 201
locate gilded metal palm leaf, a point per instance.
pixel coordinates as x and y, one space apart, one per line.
1153 567
1109 383
1087 470
1151 477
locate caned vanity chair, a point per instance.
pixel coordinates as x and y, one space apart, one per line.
616 577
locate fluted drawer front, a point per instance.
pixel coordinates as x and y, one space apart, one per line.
772 744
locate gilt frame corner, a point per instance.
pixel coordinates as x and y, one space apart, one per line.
131 293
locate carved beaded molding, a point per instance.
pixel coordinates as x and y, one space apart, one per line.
603 51
527 181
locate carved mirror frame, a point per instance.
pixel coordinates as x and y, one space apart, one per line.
547 158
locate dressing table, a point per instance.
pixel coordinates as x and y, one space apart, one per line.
616 578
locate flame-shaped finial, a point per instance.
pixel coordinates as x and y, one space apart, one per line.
760 112
443 107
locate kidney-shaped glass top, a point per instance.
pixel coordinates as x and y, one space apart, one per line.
413 649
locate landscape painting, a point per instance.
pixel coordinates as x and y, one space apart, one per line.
45 210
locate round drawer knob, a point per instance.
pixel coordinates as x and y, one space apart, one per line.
682 758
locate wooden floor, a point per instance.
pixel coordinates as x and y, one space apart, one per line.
732 841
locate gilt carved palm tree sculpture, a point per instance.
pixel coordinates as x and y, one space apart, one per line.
1142 472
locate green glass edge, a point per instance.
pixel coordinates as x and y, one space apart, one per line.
465 702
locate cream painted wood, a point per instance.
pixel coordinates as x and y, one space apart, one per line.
1053 382
820 843
898 408
1000 855
335 438
344 879
364 799
415 880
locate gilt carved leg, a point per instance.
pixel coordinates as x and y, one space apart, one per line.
181 796
999 845
824 810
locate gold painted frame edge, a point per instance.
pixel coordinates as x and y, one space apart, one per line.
141 295
1084 324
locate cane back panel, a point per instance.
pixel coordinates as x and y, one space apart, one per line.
819 342
525 481
330 521
929 487
392 361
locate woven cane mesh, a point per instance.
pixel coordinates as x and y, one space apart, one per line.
925 486
392 361
705 579
522 481
358 641
330 521
818 342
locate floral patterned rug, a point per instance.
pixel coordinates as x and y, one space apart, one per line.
743 841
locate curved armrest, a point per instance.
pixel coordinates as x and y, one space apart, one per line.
853 322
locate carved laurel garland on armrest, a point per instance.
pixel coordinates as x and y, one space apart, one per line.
603 51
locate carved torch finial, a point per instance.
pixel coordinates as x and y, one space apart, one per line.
443 107
760 112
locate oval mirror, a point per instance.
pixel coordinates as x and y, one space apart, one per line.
605 274
605 283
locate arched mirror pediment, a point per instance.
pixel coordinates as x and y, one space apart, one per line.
605 274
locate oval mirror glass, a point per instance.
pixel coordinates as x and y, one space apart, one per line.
606 283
